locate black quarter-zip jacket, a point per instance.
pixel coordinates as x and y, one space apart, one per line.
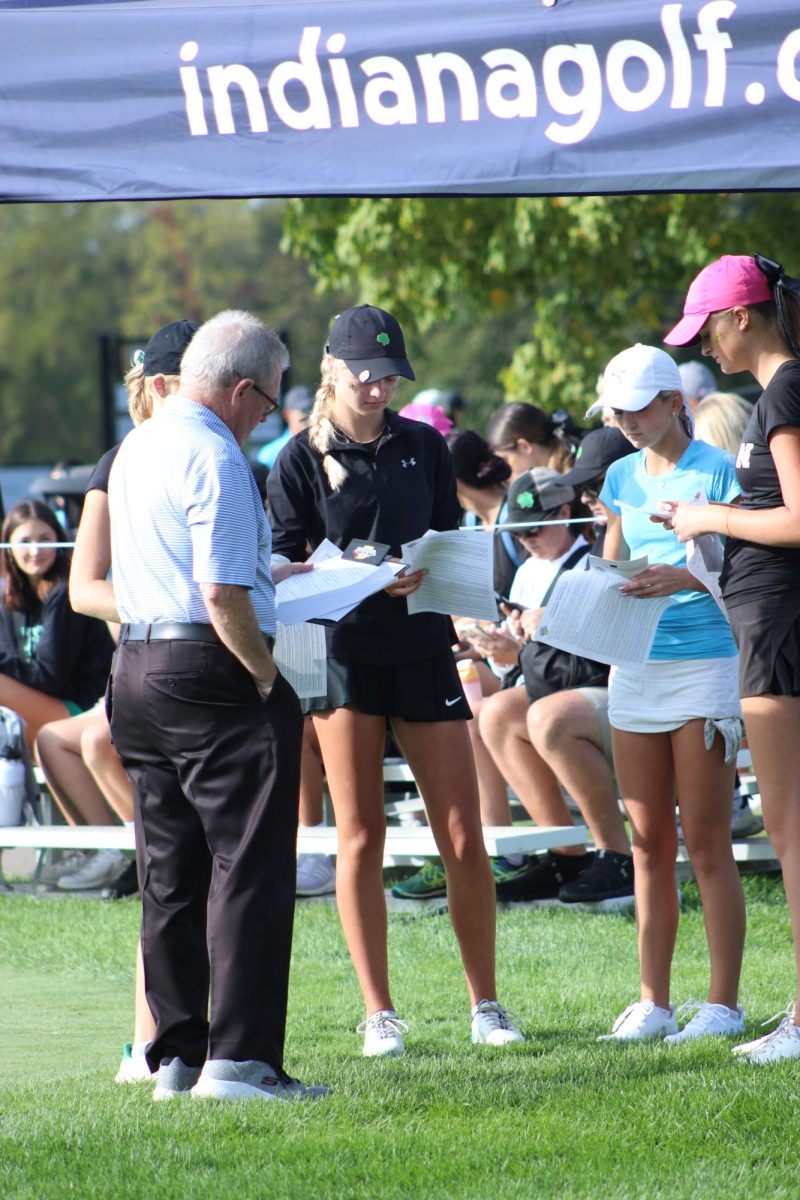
391 496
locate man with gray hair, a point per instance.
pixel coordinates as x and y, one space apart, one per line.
207 728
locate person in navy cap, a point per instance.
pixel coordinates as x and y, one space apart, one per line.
361 471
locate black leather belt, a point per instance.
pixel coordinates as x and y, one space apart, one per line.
175 631
169 631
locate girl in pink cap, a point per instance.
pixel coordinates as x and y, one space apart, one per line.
746 313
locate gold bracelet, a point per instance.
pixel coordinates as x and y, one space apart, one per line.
728 521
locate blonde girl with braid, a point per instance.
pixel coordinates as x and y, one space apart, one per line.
361 471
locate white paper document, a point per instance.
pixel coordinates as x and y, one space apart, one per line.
460 573
704 560
587 614
300 657
331 590
658 511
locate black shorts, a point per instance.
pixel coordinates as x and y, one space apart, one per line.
429 690
767 633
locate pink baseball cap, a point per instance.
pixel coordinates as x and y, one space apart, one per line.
732 279
428 414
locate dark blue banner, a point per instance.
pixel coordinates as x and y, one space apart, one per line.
105 101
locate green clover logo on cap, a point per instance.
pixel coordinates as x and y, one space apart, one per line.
526 500
383 338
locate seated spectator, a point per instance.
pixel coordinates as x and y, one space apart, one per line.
535 498
449 402
720 419
697 381
316 874
526 437
297 405
54 662
481 484
90 787
566 729
428 414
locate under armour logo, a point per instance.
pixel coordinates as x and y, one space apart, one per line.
408 462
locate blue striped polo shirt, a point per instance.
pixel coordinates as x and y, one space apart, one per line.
185 510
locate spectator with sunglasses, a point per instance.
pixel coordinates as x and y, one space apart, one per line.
542 501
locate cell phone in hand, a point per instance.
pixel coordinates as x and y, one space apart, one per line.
511 604
473 631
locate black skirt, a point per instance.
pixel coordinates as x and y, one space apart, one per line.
429 690
767 633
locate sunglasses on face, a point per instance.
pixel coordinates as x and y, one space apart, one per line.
534 531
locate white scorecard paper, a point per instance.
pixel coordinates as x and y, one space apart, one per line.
332 589
300 657
587 614
460 573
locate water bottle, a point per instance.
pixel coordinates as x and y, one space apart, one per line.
12 790
470 679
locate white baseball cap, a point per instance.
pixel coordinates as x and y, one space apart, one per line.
635 377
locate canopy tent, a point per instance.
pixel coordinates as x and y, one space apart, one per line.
176 98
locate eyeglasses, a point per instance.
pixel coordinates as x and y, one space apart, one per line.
274 404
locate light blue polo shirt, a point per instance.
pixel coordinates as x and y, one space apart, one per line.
693 626
185 510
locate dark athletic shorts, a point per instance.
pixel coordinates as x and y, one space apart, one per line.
767 632
429 690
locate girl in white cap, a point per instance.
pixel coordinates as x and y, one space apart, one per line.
675 719
746 312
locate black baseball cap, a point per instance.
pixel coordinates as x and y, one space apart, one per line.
597 451
164 351
371 342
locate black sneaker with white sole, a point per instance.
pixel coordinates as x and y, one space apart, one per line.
544 876
609 876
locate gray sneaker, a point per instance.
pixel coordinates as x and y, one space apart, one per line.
174 1079
744 822
224 1079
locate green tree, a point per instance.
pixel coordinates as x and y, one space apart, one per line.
576 278
62 281
69 273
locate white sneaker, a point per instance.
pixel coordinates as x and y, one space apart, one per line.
95 872
641 1020
707 1020
783 1042
133 1068
492 1025
315 875
383 1034
746 1047
66 864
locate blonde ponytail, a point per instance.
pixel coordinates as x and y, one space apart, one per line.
140 405
321 433
142 392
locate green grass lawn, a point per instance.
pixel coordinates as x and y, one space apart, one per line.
561 1116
